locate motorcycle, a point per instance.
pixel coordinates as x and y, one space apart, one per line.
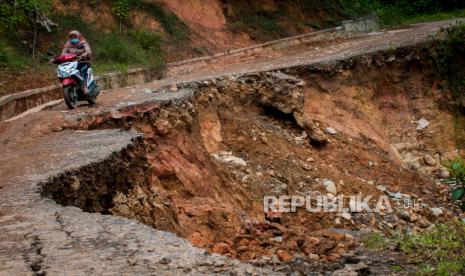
72 79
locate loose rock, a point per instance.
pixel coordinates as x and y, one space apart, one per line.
437 211
444 173
346 216
429 160
404 215
330 186
174 87
331 131
228 158
422 124
318 138
285 256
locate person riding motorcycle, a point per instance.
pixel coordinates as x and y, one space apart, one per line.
77 44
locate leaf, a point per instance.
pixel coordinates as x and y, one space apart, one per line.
458 193
456 166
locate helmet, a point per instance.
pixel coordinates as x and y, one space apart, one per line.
74 37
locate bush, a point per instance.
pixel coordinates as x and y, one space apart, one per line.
14 13
9 57
456 168
357 8
396 12
450 59
441 248
111 48
118 50
147 40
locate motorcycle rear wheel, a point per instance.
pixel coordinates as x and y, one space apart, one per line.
71 97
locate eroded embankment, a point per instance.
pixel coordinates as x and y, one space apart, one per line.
206 162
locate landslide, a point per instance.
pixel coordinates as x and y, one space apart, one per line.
206 162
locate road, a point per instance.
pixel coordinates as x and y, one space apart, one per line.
39 236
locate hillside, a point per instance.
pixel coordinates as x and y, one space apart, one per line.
132 33
126 34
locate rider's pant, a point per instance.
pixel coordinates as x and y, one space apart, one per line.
83 67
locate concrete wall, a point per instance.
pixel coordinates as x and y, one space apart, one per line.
361 25
14 104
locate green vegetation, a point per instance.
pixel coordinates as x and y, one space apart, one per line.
121 10
443 15
21 37
357 8
449 59
10 57
375 241
261 25
401 12
441 248
126 48
113 50
456 168
437 251
170 22
290 17
15 13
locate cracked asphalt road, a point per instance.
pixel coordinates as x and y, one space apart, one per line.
39 237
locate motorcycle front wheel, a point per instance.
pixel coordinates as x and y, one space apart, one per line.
70 95
93 97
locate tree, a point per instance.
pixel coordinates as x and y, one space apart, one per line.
22 14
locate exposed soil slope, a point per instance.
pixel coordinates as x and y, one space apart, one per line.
191 190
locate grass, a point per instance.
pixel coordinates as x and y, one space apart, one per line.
449 59
441 248
399 13
438 251
9 56
356 8
112 51
375 241
394 16
435 17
